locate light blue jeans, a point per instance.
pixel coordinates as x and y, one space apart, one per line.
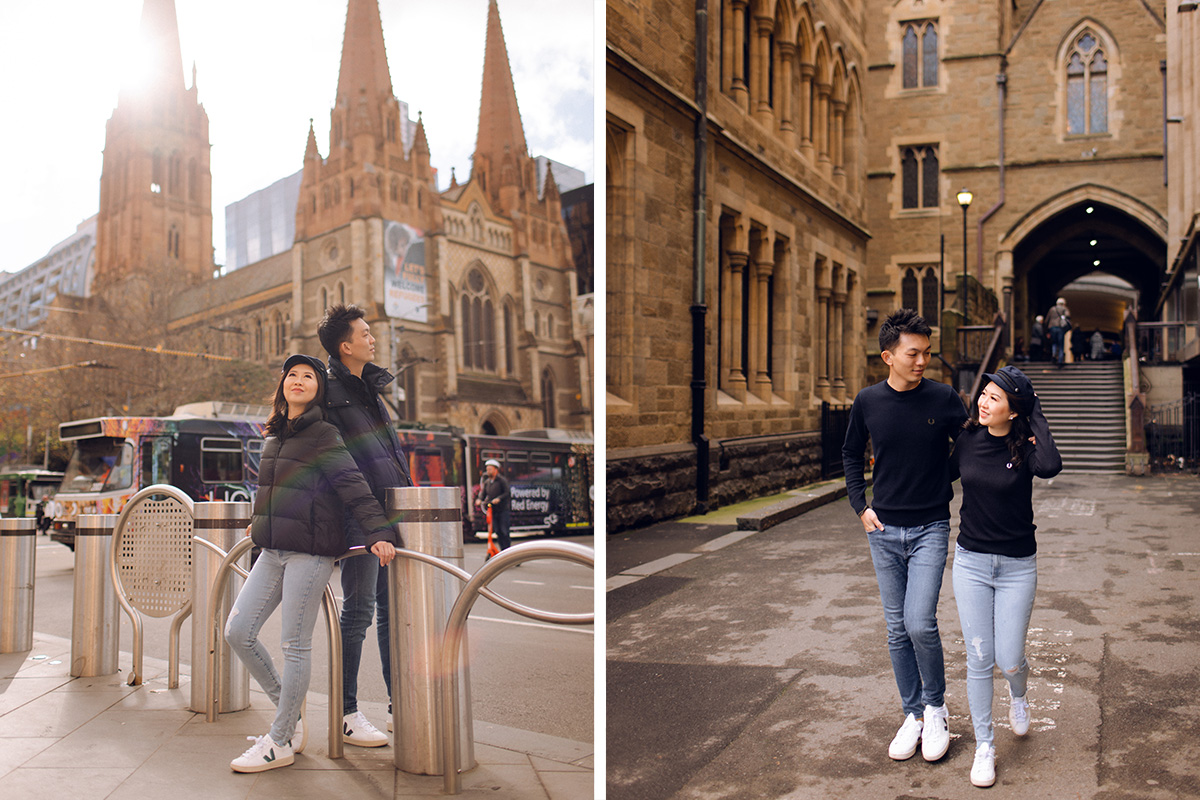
295 581
995 600
909 563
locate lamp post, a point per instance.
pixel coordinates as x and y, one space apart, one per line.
964 200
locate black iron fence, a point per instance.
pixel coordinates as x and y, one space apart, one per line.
834 422
1173 435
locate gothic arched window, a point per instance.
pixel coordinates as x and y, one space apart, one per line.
1087 86
920 45
548 410
478 323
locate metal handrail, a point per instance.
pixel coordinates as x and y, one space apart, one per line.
456 626
476 586
135 617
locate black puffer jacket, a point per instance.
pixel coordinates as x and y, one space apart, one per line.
354 406
303 480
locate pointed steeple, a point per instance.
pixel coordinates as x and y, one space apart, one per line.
310 149
364 69
162 58
500 130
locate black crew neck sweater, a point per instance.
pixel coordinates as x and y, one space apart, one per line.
910 434
997 507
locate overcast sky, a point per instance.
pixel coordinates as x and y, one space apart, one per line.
264 68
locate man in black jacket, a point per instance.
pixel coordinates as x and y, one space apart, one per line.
353 404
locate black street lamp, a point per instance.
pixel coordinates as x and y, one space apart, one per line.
964 200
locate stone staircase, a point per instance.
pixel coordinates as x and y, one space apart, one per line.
1085 406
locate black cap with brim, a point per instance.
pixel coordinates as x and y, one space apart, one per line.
1013 381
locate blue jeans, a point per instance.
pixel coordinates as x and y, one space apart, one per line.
1058 350
995 599
297 582
364 591
909 563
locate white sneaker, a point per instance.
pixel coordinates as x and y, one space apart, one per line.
904 745
264 754
935 737
357 730
983 771
1018 715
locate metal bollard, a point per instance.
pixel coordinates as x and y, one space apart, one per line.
18 543
419 601
95 616
223 524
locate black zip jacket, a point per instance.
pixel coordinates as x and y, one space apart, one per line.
353 405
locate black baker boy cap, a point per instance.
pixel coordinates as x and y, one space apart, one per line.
1013 381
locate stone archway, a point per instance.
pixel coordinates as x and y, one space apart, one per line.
1100 248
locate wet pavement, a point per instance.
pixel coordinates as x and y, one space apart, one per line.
755 664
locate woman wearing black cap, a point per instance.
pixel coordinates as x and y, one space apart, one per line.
305 476
1000 451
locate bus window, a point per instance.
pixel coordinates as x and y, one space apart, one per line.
156 460
428 468
220 460
98 465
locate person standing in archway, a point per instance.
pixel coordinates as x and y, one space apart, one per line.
1037 338
1058 320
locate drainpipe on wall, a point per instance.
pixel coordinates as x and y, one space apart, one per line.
699 309
1002 97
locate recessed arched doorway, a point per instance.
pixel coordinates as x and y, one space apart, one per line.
1100 250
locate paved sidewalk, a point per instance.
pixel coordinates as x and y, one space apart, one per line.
93 738
754 664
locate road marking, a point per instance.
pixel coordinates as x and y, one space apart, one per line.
568 628
530 583
585 588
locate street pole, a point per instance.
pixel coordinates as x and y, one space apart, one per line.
964 200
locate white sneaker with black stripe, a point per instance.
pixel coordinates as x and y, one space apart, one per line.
357 730
263 755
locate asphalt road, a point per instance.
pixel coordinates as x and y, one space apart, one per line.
524 674
760 670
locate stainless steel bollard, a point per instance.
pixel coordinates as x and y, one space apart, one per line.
419 601
223 524
95 616
18 543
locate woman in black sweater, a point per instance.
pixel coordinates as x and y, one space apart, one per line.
1000 451
305 477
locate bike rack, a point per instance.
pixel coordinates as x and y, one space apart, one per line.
150 554
476 587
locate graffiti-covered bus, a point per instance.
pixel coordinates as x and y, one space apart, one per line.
549 473
22 487
209 450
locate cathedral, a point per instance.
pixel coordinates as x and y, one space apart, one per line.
470 292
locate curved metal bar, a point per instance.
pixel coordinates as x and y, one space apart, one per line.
336 710
173 646
135 619
217 549
456 626
212 677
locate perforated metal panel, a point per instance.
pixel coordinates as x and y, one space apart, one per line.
153 556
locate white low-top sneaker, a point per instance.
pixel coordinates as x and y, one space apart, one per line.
935 738
264 754
1018 715
904 745
983 771
356 729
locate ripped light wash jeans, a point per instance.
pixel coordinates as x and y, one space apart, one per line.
995 600
295 581
909 563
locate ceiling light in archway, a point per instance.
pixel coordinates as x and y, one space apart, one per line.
1096 263
1089 209
1092 242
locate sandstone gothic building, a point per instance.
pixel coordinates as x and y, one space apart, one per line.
470 292
782 174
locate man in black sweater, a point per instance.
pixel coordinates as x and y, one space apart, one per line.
910 422
353 404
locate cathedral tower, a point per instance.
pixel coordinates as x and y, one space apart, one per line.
156 186
373 169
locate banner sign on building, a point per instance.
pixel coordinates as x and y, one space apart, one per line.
405 291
